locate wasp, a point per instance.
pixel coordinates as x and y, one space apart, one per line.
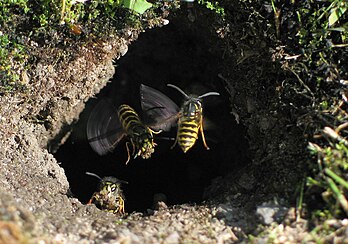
188 118
106 128
109 196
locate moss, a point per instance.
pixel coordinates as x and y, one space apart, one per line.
12 59
214 6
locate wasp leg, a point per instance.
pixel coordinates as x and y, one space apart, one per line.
202 133
134 153
127 152
156 132
176 140
178 116
133 149
91 200
121 207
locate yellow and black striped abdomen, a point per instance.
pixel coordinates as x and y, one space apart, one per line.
129 118
139 134
187 132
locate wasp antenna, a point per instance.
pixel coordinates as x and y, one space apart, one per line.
165 138
95 175
123 181
209 94
177 88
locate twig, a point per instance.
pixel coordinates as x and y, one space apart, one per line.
341 127
332 134
302 82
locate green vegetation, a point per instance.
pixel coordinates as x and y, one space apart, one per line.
24 23
12 50
310 39
322 38
214 6
332 164
318 47
12 55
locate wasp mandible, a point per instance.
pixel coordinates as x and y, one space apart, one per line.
188 118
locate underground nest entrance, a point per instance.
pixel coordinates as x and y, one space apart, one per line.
179 53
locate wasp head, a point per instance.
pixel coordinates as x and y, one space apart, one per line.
192 108
109 190
109 184
146 145
110 195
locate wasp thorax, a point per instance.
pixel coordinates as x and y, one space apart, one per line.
145 145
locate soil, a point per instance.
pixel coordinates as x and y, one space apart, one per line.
245 182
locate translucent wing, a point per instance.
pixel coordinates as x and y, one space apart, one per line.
158 108
104 130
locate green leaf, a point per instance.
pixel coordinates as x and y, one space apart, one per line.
333 18
336 13
139 6
340 29
337 178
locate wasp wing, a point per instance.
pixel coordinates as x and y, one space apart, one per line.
158 108
104 129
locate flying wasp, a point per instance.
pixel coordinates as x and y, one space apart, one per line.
106 128
109 196
188 118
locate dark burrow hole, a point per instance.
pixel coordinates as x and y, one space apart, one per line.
181 53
